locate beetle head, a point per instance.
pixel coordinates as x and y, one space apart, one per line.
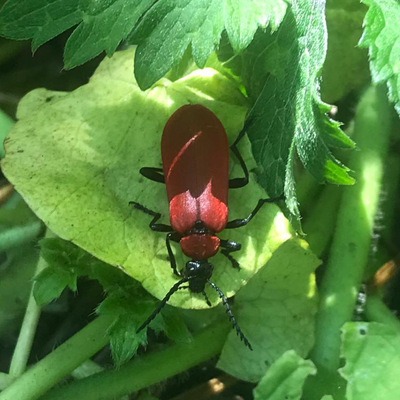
197 273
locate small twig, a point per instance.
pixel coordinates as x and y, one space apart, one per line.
6 192
208 389
385 273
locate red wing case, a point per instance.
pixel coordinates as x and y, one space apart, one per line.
195 155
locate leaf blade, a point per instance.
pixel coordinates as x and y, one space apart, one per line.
381 37
288 110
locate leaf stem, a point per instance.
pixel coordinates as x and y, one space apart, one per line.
351 242
377 311
27 332
147 370
18 235
59 363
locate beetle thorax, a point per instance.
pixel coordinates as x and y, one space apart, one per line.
200 246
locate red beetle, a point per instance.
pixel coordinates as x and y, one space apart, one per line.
195 157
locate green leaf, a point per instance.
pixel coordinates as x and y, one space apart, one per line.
130 311
101 25
285 378
51 282
242 18
67 263
281 73
92 143
171 26
175 327
6 123
276 310
372 352
382 37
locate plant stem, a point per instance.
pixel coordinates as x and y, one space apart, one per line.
147 370
307 190
377 311
5 380
18 235
385 245
60 362
351 242
27 332
320 224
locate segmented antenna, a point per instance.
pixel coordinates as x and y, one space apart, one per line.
162 303
230 314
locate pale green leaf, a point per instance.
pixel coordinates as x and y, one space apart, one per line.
372 353
285 378
79 169
276 310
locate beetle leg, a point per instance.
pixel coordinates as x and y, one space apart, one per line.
206 297
229 246
236 183
240 182
154 174
175 237
237 223
233 261
156 216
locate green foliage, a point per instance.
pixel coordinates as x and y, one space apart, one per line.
101 25
285 378
277 311
75 157
167 28
171 26
382 37
126 301
372 353
288 116
67 263
129 311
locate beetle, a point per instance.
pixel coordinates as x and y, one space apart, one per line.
195 159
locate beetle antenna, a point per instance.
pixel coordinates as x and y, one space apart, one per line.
162 303
230 314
